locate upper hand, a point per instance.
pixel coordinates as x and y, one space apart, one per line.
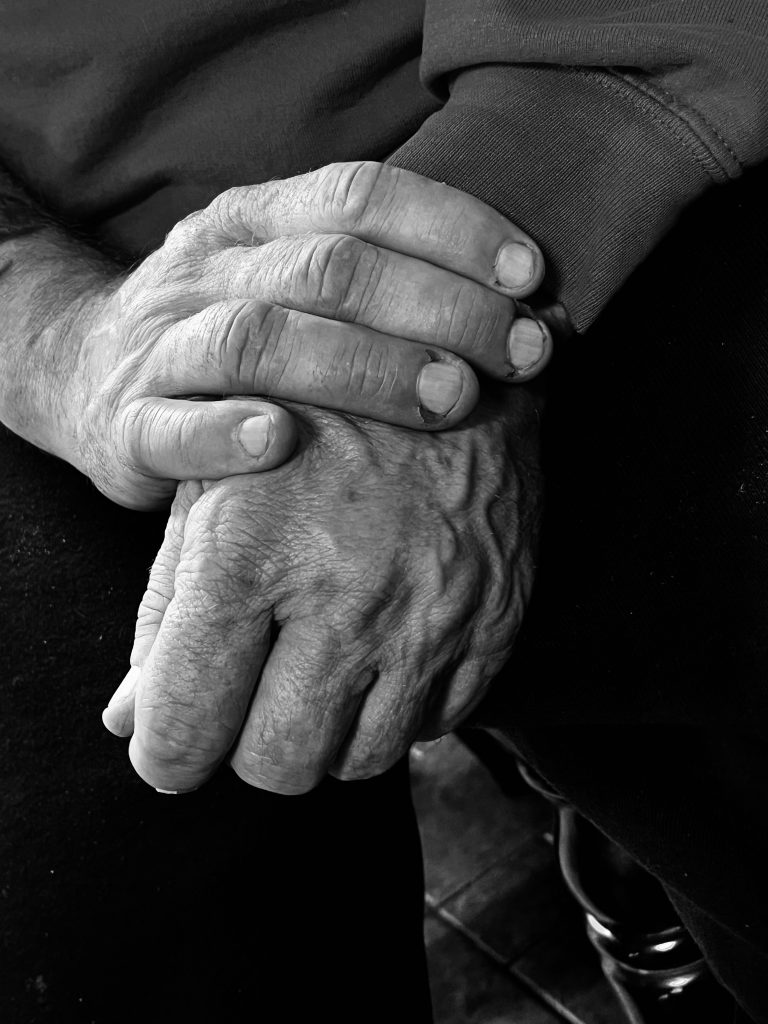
392 566
358 287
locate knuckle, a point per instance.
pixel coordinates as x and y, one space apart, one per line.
347 192
184 236
138 434
366 370
341 273
158 593
207 588
469 321
248 345
169 742
224 221
223 208
150 615
149 436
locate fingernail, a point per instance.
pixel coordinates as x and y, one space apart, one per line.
254 434
167 792
126 688
525 344
515 265
439 387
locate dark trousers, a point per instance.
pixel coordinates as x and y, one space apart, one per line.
638 689
118 904
639 686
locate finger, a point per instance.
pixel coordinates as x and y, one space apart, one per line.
188 440
343 278
460 693
251 347
388 722
389 207
118 714
307 699
197 681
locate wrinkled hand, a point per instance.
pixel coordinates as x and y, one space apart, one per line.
357 287
322 616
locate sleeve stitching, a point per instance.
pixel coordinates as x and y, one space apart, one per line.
665 109
678 108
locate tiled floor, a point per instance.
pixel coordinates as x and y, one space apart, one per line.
505 940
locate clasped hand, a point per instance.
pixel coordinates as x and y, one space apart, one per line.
323 615
357 287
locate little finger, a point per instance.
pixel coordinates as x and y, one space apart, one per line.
307 699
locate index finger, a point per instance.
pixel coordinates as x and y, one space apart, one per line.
395 209
196 683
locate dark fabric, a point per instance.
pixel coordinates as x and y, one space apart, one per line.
594 170
646 641
651 604
118 904
592 122
124 117
593 113
689 805
638 684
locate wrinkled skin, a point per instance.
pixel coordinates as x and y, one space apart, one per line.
357 287
396 566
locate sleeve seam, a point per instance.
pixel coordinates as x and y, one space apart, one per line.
700 138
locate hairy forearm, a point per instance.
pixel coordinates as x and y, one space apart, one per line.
47 276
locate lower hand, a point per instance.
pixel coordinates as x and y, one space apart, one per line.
323 616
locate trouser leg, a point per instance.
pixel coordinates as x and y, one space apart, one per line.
689 806
118 904
225 905
638 683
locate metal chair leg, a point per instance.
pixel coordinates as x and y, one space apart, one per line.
648 957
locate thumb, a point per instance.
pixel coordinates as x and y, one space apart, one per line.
182 439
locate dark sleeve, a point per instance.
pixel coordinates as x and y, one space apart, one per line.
591 123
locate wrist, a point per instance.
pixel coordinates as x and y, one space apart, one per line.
49 289
71 331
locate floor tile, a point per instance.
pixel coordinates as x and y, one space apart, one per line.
468 988
505 939
517 901
565 965
466 822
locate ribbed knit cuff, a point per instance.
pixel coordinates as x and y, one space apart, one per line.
589 165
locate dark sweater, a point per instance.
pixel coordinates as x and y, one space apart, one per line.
590 122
